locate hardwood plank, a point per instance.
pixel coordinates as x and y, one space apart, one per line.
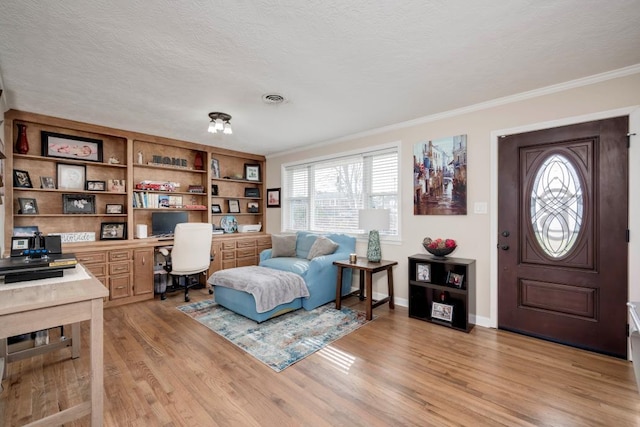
162 368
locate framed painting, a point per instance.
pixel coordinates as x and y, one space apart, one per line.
251 172
113 231
71 147
440 176
273 198
21 179
71 177
78 204
28 206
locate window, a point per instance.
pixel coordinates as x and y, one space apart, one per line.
325 195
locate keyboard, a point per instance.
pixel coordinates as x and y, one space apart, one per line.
166 236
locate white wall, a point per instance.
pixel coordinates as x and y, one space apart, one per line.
474 232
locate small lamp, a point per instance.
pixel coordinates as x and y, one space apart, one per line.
373 220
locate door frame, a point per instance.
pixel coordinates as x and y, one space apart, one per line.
634 204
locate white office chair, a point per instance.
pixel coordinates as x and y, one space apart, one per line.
190 255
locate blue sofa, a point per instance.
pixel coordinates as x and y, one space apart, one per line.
319 273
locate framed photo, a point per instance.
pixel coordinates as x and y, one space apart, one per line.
116 185
47 182
251 172
96 186
114 209
71 177
28 206
26 231
78 204
21 179
273 197
71 147
234 206
253 207
214 189
455 279
442 311
423 272
215 168
216 209
113 231
252 192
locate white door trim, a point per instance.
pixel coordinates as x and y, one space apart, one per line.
634 204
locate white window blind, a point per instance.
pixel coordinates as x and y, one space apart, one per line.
325 195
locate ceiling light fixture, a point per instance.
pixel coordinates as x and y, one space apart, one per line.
220 123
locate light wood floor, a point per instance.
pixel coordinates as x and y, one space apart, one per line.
164 369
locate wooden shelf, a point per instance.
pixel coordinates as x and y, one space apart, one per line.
422 294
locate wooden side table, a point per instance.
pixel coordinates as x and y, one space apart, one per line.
366 269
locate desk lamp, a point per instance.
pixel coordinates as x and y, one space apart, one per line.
373 220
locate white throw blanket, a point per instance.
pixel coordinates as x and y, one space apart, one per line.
269 287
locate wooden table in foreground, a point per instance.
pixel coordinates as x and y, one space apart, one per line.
366 269
36 307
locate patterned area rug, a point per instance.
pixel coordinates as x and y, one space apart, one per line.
282 341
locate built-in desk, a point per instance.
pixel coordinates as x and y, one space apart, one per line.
31 306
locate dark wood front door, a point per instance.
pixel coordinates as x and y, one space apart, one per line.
562 243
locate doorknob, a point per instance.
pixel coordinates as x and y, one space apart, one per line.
505 233
504 247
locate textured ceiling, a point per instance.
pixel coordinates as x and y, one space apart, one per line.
161 66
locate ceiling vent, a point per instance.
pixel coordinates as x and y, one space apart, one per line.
273 98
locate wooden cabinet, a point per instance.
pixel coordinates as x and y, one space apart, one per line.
126 169
120 274
239 251
143 262
442 290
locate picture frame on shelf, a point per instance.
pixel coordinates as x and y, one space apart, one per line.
47 183
454 279
252 172
423 272
273 198
28 206
253 207
113 231
71 147
114 209
214 189
234 206
96 186
216 209
215 168
252 192
442 312
78 204
25 231
71 177
116 185
21 179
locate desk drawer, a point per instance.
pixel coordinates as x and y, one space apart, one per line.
119 268
226 246
119 287
247 252
97 269
243 262
245 243
91 257
263 241
119 256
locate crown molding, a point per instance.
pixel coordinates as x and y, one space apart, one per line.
571 84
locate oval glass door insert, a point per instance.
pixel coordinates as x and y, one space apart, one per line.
557 203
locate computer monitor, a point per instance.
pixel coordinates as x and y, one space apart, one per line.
165 222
